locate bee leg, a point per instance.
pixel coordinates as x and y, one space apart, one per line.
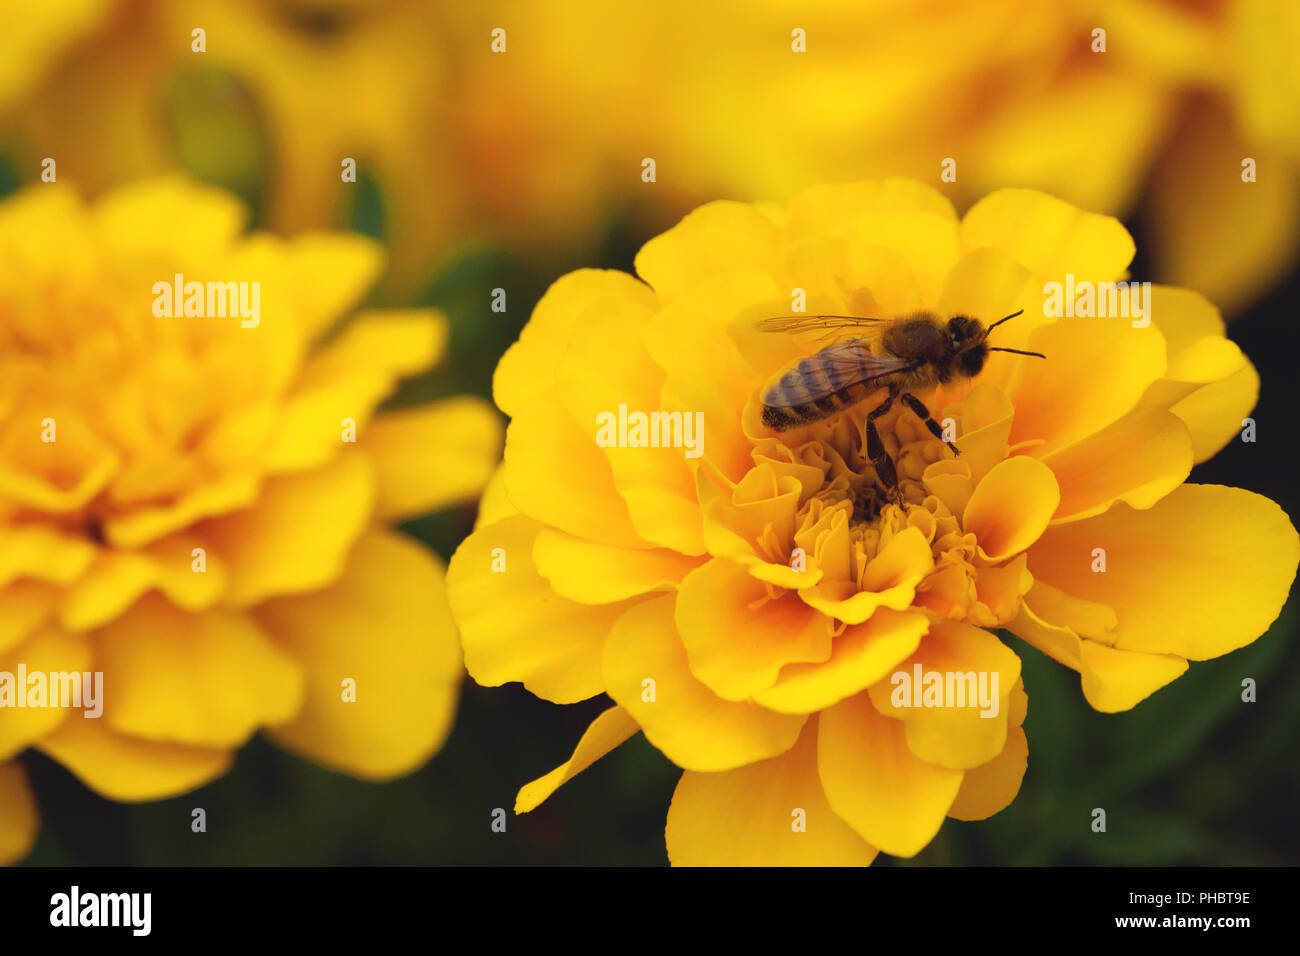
918 408
876 453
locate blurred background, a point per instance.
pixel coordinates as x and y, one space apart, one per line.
493 160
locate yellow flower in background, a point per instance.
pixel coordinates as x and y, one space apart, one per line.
537 143
1010 90
311 83
35 37
745 598
198 506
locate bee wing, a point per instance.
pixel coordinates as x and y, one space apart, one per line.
836 367
795 324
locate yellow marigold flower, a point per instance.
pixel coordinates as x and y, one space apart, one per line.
320 79
667 582
197 507
1156 117
753 102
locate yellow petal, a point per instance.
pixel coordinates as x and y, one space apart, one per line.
556 474
19 818
1213 232
990 788
127 769
1047 236
890 581
38 551
1214 413
959 737
24 606
591 573
737 636
1062 399
1112 680
712 239
332 272
862 655
604 734
892 798
49 651
432 456
207 679
346 379
513 625
495 503
1011 507
1202 572
531 366
1138 460
296 538
118 578
646 673
169 215
771 813
383 631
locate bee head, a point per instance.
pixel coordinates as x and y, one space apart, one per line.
970 344
968 340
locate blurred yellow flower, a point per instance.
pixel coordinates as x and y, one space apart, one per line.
196 506
1010 90
747 609
537 140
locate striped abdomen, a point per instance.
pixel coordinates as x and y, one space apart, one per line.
820 385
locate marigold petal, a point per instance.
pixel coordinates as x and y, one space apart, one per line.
344 381
547 451
715 238
513 625
770 813
1011 507
127 769
296 538
118 578
19 819
1064 401
432 456
955 737
605 733
24 606
873 780
862 655
49 651
532 365
681 716
385 626
1202 572
208 679
990 788
1138 460
1112 681
1048 236
592 573
1238 237
738 636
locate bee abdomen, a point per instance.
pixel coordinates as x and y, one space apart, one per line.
801 396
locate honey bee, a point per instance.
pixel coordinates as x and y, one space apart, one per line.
903 355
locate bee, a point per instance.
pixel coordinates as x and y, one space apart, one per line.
903 355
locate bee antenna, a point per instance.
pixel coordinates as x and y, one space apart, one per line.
993 348
1000 321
